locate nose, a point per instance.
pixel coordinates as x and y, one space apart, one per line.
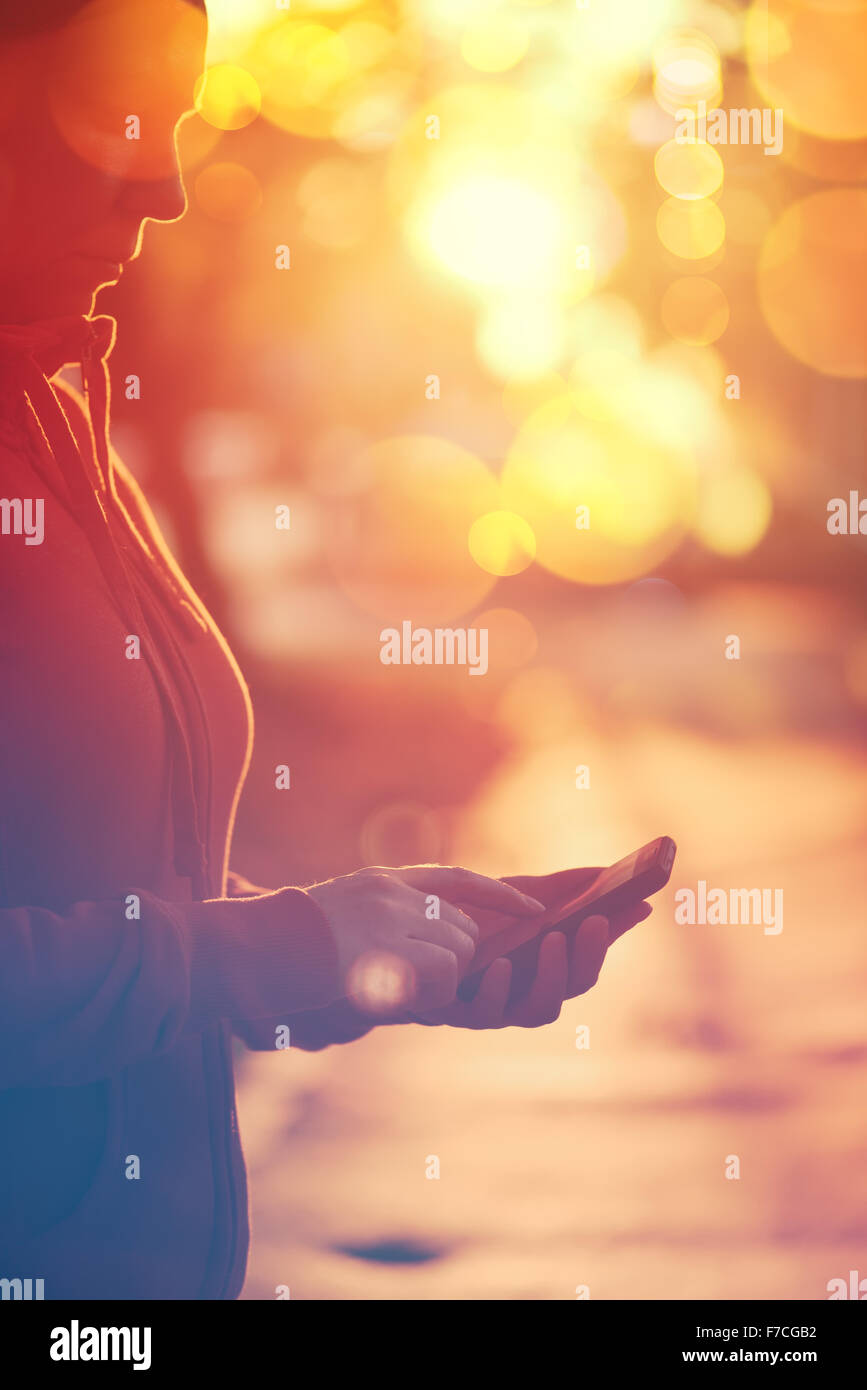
161 200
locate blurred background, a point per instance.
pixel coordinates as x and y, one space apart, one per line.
448 279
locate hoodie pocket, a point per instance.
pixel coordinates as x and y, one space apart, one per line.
67 1250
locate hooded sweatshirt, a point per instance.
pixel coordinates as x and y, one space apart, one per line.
128 951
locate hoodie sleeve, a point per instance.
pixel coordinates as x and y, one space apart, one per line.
87 992
313 1030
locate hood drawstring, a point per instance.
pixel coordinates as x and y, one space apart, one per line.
93 494
97 390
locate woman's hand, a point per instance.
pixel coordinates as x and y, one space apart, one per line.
407 919
562 972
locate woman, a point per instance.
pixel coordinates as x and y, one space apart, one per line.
129 952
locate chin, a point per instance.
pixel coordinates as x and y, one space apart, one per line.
77 295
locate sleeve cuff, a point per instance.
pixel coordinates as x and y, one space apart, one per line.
259 957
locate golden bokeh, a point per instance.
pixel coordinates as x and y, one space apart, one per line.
812 281
494 192
808 58
734 511
303 70
605 502
606 323
674 394
615 34
228 97
493 231
690 230
522 395
502 543
687 71
495 43
688 171
696 372
521 336
328 74
597 380
695 310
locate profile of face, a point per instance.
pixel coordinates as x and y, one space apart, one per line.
88 116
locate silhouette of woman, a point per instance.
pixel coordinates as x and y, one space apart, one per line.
129 952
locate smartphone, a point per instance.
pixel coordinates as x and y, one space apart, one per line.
641 873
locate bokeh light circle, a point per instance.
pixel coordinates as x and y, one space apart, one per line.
493 189
494 230
686 70
734 511
690 230
636 490
688 171
808 59
380 983
303 70
228 96
502 543
228 192
812 281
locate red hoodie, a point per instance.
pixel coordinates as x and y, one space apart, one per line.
127 954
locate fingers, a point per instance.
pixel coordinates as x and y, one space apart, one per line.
561 973
468 887
545 999
587 955
553 889
462 920
437 973
622 922
488 1008
454 931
